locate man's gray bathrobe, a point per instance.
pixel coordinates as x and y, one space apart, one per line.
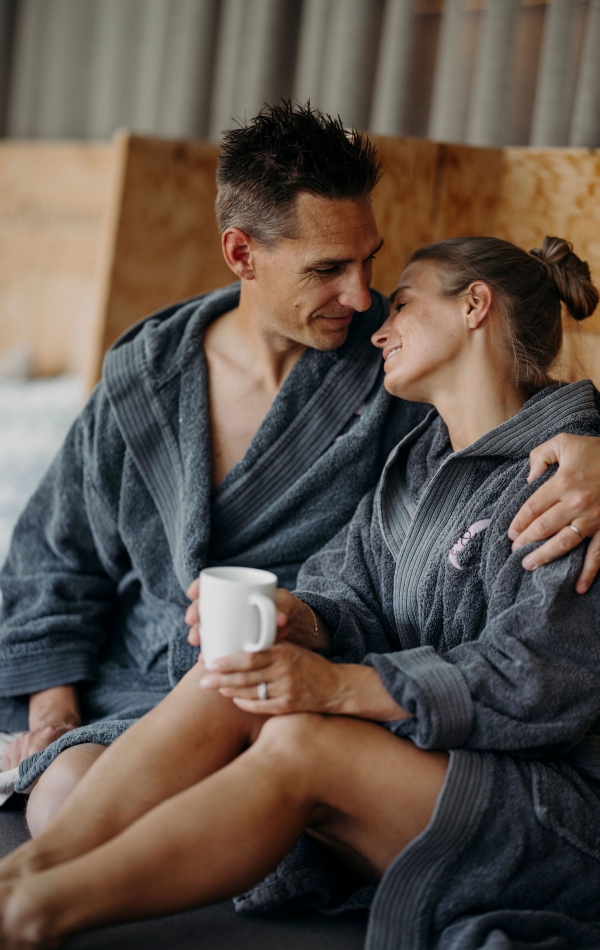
94 585
500 666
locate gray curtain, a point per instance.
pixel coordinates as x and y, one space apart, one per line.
487 72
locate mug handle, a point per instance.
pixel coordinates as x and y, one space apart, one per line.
266 609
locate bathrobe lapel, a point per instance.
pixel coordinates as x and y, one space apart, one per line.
170 452
168 434
412 532
346 379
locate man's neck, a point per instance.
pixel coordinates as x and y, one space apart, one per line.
246 369
264 355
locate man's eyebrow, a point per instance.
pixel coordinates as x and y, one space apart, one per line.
330 261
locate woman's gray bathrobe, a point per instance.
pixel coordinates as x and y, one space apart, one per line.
499 665
94 585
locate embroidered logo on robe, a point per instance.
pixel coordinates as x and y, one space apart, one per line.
465 554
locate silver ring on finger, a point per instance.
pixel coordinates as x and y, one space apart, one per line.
574 527
262 692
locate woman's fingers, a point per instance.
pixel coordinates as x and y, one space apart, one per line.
258 707
591 565
193 636
296 680
242 662
192 614
233 680
194 589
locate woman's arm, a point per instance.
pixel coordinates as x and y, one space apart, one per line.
528 682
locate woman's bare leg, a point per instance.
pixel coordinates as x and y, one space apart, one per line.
189 735
356 784
57 783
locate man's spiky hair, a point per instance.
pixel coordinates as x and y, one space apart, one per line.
285 150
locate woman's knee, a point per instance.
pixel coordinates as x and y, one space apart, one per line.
57 783
297 736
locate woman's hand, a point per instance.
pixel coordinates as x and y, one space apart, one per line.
297 680
295 621
572 496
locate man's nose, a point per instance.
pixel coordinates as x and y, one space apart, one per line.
355 293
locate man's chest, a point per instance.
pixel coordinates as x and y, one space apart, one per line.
237 407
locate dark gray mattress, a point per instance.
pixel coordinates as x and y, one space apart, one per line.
211 928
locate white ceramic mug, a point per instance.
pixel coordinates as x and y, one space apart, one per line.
237 610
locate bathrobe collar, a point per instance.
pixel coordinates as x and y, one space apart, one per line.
411 531
173 454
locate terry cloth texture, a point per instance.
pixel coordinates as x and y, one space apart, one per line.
94 584
499 666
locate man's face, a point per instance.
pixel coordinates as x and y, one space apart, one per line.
307 288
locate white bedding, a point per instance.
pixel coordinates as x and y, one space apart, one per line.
35 416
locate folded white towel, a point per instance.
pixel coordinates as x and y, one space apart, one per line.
8 778
7 783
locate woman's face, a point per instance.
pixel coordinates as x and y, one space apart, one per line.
424 336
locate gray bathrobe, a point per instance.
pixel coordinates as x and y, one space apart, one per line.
498 665
94 584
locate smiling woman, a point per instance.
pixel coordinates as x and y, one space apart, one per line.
508 316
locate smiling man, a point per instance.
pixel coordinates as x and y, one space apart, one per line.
242 427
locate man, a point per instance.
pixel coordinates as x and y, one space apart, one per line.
242 427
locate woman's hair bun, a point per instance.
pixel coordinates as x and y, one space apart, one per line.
570 276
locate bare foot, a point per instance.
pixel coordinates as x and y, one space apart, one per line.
27 918
24 861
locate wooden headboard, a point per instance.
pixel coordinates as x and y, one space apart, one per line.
94 237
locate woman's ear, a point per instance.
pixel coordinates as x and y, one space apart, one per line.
237 251
479 299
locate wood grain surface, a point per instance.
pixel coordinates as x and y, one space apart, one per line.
94 237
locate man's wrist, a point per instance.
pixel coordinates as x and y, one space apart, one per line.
50 707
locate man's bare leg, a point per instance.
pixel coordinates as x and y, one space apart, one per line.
189 735
356 784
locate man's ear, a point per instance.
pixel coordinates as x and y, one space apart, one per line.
237 251
479 299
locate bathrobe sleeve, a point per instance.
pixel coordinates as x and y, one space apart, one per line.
530 682
64 562
345 583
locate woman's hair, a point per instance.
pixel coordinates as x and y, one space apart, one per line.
528 288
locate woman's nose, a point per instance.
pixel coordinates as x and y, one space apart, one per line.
381 336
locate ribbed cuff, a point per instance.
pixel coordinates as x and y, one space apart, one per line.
32 672
434 692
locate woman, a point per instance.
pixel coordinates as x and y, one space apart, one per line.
477 806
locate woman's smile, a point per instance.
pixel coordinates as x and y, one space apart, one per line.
390 351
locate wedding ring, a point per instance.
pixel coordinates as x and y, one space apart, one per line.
574 527
262 692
